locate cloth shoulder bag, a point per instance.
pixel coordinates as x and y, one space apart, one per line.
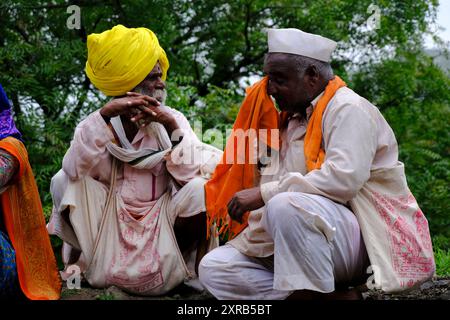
395 232
164 267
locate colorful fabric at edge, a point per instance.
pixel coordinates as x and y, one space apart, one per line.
314 153
7 126
8 167
120 58
8 272
25 226
257 112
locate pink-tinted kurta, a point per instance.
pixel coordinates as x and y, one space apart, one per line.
88 156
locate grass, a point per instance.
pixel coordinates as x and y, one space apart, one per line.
105 296
442 258
441 246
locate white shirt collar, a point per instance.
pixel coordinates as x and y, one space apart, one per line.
310 109
316 99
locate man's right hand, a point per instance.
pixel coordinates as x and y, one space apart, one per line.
128 105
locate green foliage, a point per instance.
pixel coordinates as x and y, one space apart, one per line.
415 98
105 296
441 247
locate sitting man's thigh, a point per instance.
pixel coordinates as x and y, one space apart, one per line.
189 200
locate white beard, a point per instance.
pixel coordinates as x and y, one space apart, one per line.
158 94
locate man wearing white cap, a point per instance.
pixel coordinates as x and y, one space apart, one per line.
303 239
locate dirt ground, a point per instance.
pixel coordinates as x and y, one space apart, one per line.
436 289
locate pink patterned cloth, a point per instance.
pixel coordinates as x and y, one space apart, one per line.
8 167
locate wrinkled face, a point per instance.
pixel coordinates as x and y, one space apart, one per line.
153 85
286 85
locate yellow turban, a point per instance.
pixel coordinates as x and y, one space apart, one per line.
120 58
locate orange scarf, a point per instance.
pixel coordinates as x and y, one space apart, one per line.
25 224
314 152
257 112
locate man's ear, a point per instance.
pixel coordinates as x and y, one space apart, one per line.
313 74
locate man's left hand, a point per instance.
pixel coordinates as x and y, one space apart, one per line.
154 114
243 201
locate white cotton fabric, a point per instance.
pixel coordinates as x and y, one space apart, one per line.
358 141
295 41
328 250
127 153
128 250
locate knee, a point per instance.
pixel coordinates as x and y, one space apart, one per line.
281 214
206 269
278 203
196 184
195 188
58 185
59 181
279 208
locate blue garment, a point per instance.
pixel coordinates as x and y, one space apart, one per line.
8 271
7 126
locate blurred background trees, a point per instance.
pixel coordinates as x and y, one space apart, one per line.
216 48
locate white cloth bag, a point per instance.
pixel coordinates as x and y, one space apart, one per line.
156 271
395 232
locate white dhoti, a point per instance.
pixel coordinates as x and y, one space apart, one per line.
317 244
137 254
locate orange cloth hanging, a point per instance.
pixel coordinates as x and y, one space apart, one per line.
314 153
25 225
257 112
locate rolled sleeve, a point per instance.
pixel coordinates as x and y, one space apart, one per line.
88 144
269 190
182 162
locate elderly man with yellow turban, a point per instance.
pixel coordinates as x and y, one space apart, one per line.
129 200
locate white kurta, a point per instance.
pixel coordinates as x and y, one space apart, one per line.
357 139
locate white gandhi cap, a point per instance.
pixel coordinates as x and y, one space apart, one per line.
295 41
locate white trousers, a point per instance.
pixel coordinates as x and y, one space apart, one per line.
317 244
186 202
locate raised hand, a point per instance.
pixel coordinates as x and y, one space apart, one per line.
129 105
152 113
